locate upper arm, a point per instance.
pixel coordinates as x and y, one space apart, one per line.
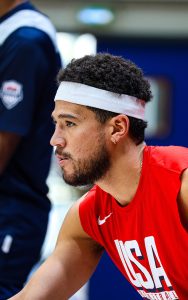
8 143
71 264
23 74
80 254
183 199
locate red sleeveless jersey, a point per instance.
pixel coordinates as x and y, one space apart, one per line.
145 239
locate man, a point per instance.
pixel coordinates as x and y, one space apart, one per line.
29 64
138 207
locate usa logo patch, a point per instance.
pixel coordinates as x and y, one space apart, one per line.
11 93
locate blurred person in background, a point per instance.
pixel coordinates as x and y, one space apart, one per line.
138 208
29 64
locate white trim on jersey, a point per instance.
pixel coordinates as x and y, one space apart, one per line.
27 18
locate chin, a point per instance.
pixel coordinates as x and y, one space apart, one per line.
68 179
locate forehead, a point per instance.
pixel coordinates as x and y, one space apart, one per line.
76 110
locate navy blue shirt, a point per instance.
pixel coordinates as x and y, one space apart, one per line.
29 65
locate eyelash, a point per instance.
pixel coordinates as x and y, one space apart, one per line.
69 123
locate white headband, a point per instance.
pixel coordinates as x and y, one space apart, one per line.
82 94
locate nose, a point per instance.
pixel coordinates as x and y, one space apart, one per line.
57 138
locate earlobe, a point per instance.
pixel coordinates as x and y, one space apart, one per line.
114 140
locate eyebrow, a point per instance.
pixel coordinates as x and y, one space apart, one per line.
63 116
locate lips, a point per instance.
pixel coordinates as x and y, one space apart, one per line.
61 159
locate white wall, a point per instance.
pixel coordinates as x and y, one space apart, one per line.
135 17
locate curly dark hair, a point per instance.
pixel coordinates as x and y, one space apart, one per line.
111 73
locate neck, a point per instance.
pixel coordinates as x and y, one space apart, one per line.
123 178
8 5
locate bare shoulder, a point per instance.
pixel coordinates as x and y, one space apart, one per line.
72 225
184 186
183 198
72 229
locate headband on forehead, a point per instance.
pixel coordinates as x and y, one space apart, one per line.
82 94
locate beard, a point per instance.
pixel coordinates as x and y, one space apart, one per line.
87 171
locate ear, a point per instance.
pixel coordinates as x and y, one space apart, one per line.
119 128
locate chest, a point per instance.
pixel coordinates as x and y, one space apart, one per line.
142 240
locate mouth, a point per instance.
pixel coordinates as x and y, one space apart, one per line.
61 159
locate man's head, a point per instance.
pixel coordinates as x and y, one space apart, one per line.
114 74
85 135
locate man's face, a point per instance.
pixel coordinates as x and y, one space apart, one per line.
80 143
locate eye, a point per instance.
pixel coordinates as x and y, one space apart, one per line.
69 124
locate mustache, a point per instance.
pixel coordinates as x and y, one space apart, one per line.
62 154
